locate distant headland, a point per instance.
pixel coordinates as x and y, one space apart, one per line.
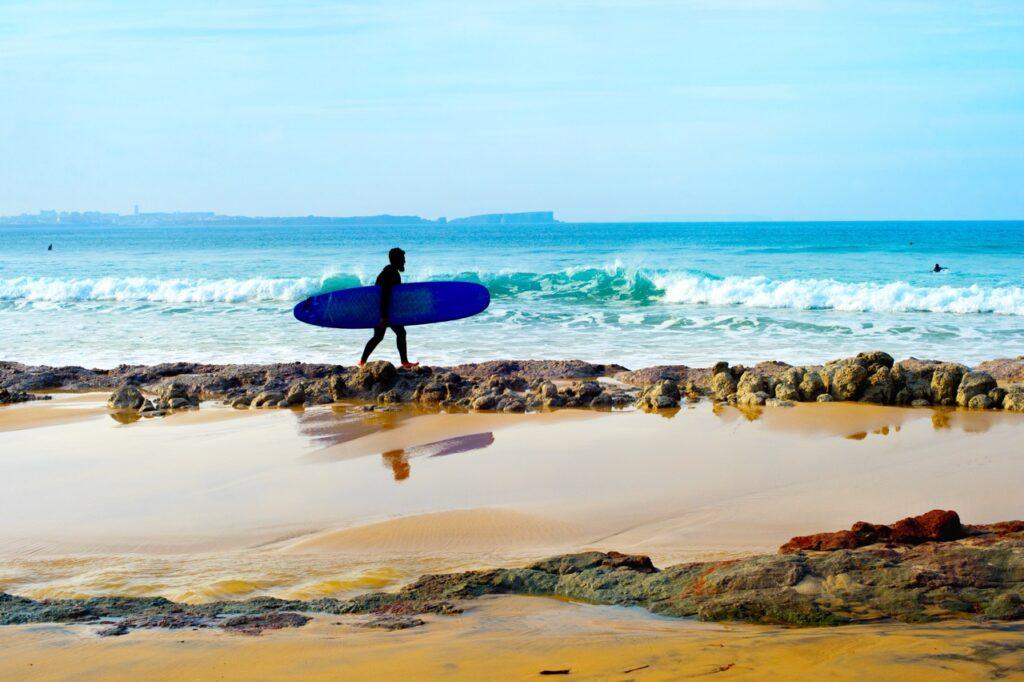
190 218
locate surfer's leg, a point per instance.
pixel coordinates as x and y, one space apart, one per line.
399 331
378 334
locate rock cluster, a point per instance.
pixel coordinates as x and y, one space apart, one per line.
170 396
939 570
870 377
516 386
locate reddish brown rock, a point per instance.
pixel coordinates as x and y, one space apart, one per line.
935 526
999 529
1005 370
650 375
536 369
634 562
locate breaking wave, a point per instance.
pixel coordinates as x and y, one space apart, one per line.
585 285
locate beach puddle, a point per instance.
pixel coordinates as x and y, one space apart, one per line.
337 500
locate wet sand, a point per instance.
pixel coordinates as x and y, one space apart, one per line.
517 638
223 503
229 504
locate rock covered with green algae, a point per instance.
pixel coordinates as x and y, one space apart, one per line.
980 574
912 584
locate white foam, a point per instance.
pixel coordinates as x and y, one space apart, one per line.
156 290
818 294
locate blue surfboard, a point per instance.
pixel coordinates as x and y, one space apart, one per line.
415 303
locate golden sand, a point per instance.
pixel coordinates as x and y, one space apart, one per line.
61 409
517 638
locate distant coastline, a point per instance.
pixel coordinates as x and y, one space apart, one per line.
184 218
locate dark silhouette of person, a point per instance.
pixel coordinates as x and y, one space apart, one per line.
939 268
50 247
386 280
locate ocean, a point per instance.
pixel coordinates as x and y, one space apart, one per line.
633 293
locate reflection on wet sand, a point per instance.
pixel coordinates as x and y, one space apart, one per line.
343 423
854 421
344 432
398 460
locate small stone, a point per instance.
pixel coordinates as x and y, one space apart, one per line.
126 398
980 402
758 398
786 391
661 395
488 401
547 390
945 382
295 396
974 384
266 399
722 385
847 381
1014 399
811 386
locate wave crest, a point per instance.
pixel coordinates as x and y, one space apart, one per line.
589 285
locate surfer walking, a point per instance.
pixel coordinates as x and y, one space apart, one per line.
386 280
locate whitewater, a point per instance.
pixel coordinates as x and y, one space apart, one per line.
636 294
596 286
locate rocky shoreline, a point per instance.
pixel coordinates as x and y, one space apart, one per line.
920 569
531 385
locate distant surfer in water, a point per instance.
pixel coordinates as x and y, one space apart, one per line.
939 268
386 280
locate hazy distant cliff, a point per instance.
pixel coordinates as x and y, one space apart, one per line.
196 218
531 217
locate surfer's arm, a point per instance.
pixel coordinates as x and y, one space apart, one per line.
385 301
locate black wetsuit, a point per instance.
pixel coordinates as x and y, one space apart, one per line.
387 279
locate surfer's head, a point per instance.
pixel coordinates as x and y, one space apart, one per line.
397 258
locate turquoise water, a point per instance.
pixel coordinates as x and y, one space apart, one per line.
637 294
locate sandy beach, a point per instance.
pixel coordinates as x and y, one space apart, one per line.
336 501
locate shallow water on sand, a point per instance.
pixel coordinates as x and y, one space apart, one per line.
332 501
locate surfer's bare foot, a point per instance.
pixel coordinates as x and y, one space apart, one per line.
410 365
361 363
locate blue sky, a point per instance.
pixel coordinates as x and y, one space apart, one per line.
597 109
